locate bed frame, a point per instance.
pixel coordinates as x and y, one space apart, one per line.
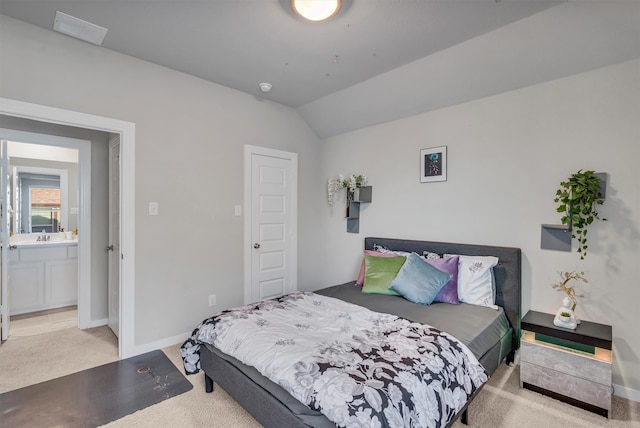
270 412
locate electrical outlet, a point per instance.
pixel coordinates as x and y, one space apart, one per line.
212 299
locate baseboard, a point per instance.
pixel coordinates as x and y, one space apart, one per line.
628 393
159 344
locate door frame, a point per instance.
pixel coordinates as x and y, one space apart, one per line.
4 236
126 130
114 256
249 151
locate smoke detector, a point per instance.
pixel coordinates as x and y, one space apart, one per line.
265 87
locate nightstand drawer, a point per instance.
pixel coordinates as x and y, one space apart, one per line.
580 389
593 368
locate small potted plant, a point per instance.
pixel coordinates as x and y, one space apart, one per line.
565 316
578 199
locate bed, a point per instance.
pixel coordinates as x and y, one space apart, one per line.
491 334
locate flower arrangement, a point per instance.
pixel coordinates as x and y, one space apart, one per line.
353 182
566 277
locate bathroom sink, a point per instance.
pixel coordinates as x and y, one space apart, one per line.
43 243
29 240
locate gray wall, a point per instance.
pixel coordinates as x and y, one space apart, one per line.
507 155
190 136
99 199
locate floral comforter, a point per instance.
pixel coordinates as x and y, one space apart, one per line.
358 367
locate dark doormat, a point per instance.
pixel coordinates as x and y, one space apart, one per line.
95 396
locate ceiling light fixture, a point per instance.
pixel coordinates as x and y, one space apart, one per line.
316 10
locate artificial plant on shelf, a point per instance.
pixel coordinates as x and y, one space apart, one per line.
578 199
562 285
351 184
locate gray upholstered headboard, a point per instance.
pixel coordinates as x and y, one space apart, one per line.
507 273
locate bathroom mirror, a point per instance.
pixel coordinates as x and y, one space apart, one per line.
38 204
44 189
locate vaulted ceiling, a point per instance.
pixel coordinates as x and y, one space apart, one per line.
378 60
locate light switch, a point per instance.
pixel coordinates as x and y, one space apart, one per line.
153 208
238 210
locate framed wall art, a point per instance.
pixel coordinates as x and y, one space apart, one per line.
433 164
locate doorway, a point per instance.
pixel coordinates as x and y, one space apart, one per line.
42 279
43 184
126 132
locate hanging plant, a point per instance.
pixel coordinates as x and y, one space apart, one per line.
578 199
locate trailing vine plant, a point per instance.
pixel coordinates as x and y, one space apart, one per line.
578 199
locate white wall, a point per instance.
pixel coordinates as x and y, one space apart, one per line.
506 157
189 158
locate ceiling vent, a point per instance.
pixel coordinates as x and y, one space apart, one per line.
75 27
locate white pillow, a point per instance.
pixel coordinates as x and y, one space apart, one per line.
425 254
384 250
429 255
475 280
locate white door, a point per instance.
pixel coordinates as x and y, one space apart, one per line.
114 236
4 236
272 214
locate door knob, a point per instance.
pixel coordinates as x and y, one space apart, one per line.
256 245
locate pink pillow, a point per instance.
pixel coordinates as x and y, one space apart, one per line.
360 279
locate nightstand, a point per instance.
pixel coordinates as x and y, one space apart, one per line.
570 365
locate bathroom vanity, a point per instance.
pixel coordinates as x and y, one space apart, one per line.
42 275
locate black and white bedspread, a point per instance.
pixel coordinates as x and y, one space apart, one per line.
356 366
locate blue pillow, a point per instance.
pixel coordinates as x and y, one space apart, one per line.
418 281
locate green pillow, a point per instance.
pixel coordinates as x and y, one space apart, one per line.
379 272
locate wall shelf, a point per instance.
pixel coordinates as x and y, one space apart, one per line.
362 196
555 237
602 176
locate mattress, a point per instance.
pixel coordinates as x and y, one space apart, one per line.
480 328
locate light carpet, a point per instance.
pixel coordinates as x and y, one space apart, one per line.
32 359
500 404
